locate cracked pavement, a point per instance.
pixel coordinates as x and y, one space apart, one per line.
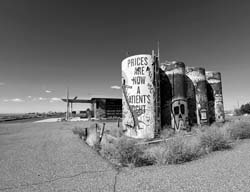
48 157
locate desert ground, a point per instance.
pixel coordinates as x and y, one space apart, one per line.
49 157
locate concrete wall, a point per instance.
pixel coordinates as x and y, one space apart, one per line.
215 97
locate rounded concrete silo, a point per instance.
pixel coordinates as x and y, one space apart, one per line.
197 95
175 72
215 97
138 102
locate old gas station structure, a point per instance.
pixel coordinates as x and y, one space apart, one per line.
101 108
164 95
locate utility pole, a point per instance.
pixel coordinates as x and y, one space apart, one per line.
157 92
67 113
159 86
158 50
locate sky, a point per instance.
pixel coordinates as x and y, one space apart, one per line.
49 45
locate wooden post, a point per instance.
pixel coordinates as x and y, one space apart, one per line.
101 132
118 122
71 109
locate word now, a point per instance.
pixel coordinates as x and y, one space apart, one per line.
138 80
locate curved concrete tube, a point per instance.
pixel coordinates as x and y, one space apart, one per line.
198 93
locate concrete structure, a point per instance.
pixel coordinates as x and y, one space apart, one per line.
138 101
100 107
188 96
175 72
215 97
197 95
159 97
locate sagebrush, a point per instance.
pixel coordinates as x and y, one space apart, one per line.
176 148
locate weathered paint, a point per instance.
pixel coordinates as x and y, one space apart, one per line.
191 101
157 96
138 106
175 72
196 80
215 97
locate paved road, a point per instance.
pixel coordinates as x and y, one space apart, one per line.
48 157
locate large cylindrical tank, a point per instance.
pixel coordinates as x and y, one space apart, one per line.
197 92
215 97
175 72
138 105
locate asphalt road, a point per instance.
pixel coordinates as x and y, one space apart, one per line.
48 157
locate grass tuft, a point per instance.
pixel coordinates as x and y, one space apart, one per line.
239 129
124 151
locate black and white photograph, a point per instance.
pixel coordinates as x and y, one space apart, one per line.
124 96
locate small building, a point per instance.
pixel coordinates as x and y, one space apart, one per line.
108 108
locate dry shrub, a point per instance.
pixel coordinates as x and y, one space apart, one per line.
156 154
192 149
215 138
114 131
167 132
179 147
182 148
124 151
109 151
176 150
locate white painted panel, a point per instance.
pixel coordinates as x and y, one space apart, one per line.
138 96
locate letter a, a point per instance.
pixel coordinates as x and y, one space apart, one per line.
138 90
